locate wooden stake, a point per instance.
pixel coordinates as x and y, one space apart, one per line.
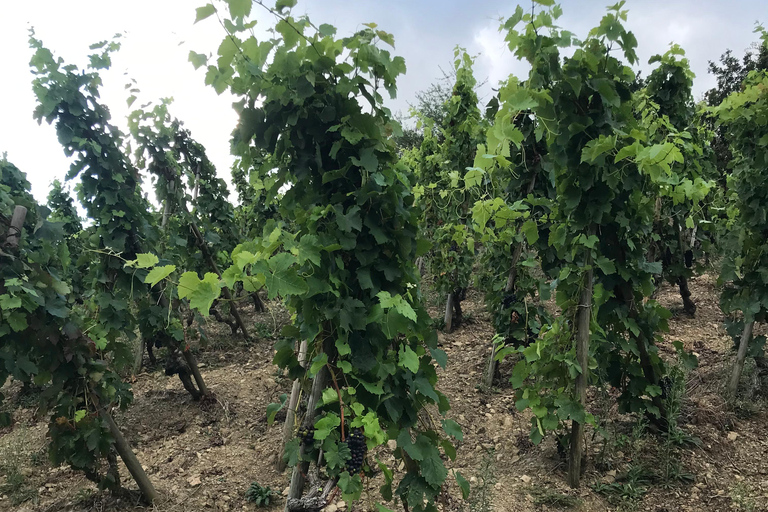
448 319
741 355
290 413
301 469
583 318
17 224
129 458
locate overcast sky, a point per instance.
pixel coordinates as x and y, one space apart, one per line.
160 34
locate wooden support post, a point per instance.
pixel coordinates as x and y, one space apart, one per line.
741 356
167 206
17 224
448 318
290 413
688 305
583 317
301 469
139 357
129 458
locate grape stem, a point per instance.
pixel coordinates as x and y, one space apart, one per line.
341 403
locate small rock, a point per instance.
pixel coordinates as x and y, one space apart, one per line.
194 481
331 508
473 480
499 456
392 444
526 479
341 505
732 436
286 490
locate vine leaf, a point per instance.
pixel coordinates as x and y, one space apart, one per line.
201 293
463 485
157 274
408 359
204 12
325 425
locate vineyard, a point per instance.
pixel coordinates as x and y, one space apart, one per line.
554 299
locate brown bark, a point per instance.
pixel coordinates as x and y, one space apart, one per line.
583 318
290 413
301 469
13 236
741 356
448 318
195 370
129 458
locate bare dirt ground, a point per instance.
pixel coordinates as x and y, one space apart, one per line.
203 455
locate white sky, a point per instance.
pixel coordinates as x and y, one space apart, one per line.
160 34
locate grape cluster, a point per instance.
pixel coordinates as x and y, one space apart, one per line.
356 443
306 435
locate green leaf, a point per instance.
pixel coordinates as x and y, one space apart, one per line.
201 293
146 260
324 425
606 265
284 4
204 12
318 362
463 485
473 178
157 274
453 429
607 91
327 30
433 470
531 231
285 283
239 8
273 408
197 59
408 359
289 33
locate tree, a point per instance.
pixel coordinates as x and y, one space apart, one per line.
311 102
110 192
447 202
743 116
606 173
730 75
677 212
42 342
